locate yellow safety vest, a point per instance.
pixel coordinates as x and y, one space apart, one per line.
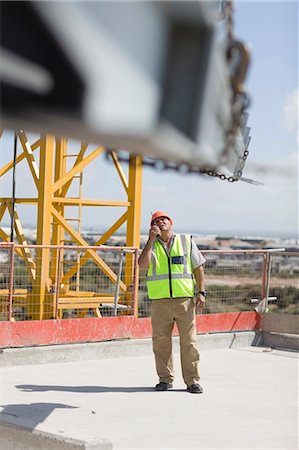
170 276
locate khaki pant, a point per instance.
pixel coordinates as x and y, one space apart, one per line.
165 312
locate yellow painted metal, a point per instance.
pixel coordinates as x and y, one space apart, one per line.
74 202
120 171
78 219
89 202
32 201
4 236
134 217
3 207
79 158
53 181
8 166
101 241
40 303
134 197
112 229
25 252
92 254
57 230
29 156
80 166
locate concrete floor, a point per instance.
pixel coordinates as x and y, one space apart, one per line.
250 401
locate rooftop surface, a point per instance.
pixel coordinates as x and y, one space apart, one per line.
250 401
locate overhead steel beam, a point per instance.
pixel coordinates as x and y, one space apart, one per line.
149 77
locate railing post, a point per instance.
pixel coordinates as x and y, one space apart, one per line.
268 280
121 259
11 280
266 277
58 276
135 284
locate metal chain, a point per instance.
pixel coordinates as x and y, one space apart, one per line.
238 72
240 99
228 14
183 168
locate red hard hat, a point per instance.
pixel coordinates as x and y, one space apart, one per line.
160 214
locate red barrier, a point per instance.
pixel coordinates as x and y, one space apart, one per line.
48 332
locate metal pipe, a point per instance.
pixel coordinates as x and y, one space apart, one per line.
57 289
265 275
13 196
121 259
11 281
268 281
134 286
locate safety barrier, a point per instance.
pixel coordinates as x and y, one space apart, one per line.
60 282
245 280
55 282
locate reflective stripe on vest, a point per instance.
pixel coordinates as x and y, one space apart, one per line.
170 275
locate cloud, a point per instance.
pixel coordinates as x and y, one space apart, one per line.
263 170
290 112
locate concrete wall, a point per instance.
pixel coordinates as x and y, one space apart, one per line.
118 348
281 323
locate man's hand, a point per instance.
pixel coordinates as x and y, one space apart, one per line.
154 232
200 301
145 257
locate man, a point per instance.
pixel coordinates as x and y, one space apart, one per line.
173 261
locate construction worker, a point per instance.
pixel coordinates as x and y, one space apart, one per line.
173 263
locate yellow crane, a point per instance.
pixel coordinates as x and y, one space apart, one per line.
53 180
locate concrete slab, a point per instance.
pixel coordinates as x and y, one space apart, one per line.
16 437
45 354
249 401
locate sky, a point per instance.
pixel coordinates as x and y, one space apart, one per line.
201 204
270 29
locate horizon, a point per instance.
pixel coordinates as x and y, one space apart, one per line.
234 234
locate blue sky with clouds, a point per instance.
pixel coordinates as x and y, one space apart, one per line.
201 204
271 31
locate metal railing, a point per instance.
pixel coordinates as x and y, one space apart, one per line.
245 280
49 282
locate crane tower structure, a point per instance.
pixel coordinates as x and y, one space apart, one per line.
53 182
